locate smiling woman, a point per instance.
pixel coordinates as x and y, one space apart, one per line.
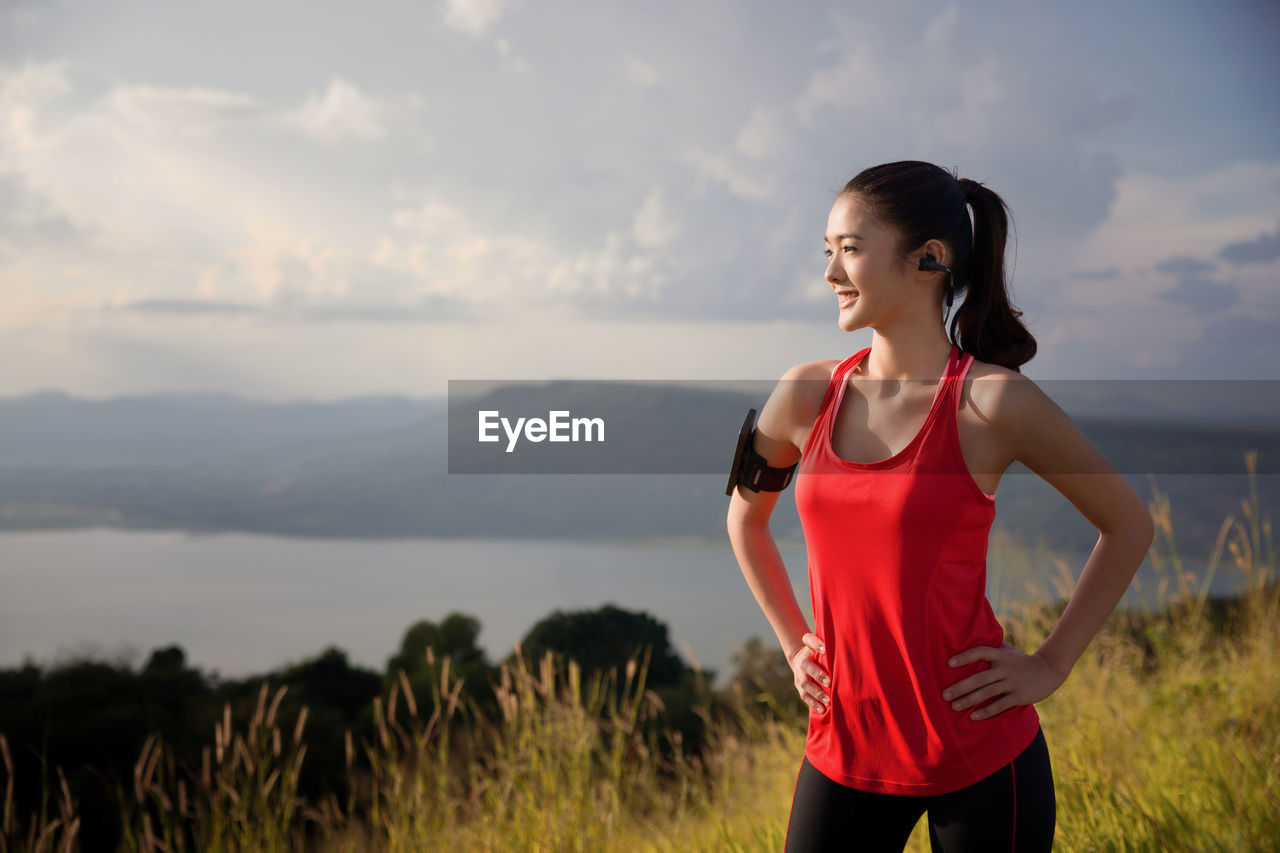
917 702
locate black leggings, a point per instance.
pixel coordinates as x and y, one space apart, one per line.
1012 809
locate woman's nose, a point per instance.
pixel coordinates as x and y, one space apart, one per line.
834 271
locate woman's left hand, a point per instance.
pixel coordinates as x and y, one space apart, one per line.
1015 677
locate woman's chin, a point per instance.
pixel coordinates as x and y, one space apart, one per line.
849 324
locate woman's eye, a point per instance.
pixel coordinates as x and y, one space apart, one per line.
849 248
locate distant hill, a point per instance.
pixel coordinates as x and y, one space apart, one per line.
380 467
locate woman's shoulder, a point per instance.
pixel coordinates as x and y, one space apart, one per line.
797 399
799 393
805 384
1000 393
808 383
1003 377
820 369
979 369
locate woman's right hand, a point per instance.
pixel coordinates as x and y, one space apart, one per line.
810 677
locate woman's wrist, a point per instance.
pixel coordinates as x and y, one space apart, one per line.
1057 666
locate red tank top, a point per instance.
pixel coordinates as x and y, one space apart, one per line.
897 553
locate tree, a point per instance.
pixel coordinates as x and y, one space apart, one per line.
423 649
604 639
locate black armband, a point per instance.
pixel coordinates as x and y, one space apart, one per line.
749 469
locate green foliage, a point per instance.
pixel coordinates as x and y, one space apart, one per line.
426 645
456 637
329 680
604 639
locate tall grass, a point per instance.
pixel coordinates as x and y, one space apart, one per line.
243 798
1166 736
44 831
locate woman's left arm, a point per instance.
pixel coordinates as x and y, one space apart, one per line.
1040 435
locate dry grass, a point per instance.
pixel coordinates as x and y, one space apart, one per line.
44 832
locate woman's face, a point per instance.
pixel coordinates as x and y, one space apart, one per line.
863 266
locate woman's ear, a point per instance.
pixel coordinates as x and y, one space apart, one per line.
936 248
939 250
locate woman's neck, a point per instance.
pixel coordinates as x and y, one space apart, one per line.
905 358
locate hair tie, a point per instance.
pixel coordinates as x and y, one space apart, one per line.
969 188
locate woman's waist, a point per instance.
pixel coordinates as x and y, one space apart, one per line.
899 661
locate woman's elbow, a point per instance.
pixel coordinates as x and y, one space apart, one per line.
1148 529
1142 524
1135 526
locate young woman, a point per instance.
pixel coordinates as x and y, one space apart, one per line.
916 702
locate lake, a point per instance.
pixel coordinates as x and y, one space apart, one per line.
243 603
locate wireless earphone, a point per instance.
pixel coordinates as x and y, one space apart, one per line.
929 263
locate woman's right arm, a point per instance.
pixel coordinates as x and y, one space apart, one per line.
784 422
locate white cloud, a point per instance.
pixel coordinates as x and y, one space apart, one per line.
342 111
447 250
444 251
653 226
192 196
760 137
472 17
145 157
188 111
855 82
642 73
267 272
728 170
23 93
128 166
152 193
1155 217
613 270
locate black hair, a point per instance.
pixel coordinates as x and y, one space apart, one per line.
926 202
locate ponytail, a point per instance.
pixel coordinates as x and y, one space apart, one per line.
924 202
987 324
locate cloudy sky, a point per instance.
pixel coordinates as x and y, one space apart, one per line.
320 200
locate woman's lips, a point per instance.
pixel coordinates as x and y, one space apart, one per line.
846 301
